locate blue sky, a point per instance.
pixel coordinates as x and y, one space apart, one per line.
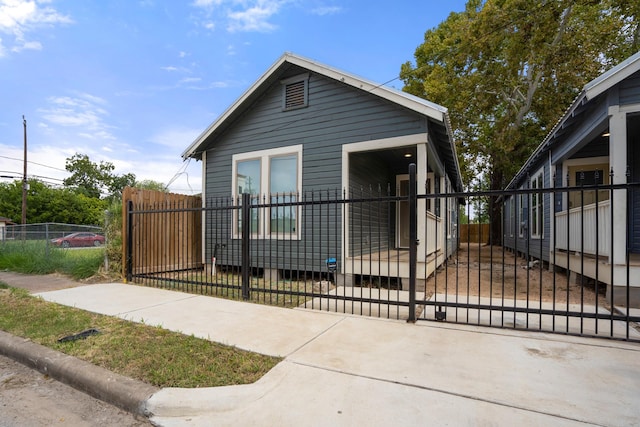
135 82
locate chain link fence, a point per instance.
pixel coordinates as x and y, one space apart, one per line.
46 232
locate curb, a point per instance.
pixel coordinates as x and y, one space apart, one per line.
123 392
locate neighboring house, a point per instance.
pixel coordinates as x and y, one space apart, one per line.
596 142
3 223
305 126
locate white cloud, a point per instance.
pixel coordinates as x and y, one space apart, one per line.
326 10
26 46
84 111
190 80
19 17
172 68
240 15
207 3
178 138
255 18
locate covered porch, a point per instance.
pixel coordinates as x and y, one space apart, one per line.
376 242
596 220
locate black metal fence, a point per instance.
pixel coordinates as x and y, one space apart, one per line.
559 267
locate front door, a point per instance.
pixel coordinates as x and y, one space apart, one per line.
402 212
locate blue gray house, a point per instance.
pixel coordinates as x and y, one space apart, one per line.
586 231
306 126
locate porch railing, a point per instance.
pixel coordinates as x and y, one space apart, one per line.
586 228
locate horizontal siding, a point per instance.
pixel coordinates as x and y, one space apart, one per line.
336 114
537 248
629 91
374 222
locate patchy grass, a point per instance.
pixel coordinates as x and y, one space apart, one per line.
284 292
36 257
147 353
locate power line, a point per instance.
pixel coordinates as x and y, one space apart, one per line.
35 163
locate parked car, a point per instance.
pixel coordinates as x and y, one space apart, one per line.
78 240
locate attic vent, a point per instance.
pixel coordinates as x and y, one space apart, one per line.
295 92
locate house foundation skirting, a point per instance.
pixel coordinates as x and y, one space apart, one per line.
616 277
381 265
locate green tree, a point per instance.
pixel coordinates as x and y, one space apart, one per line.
94 179
118 182
149 184
47 204
11 200
507 70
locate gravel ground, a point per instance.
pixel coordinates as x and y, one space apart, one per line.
29 398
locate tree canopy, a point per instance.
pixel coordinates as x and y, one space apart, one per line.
79 202
507 70
47 204
94 179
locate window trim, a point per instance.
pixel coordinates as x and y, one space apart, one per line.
304 78
539 208
264 222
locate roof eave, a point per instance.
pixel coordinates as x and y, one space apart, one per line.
423 107
201 139
613 76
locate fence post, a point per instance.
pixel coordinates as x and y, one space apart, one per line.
413 240
129 260
246 235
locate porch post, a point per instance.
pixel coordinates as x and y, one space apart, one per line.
618 163
421 178
413 241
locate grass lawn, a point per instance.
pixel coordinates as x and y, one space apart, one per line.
147 353
36 257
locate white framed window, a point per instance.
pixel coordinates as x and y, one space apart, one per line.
536 202
272 177
295 92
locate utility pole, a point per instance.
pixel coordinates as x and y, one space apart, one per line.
25 185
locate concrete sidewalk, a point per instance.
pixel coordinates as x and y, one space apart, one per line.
351 370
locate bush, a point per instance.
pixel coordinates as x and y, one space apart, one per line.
113 233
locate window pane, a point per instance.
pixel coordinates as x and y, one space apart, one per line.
248 181
248 177
283 186
283 174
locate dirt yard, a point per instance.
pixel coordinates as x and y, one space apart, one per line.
484 270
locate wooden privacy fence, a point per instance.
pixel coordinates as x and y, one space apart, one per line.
474 233
170 236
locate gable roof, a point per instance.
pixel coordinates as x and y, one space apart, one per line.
435 112
590 91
